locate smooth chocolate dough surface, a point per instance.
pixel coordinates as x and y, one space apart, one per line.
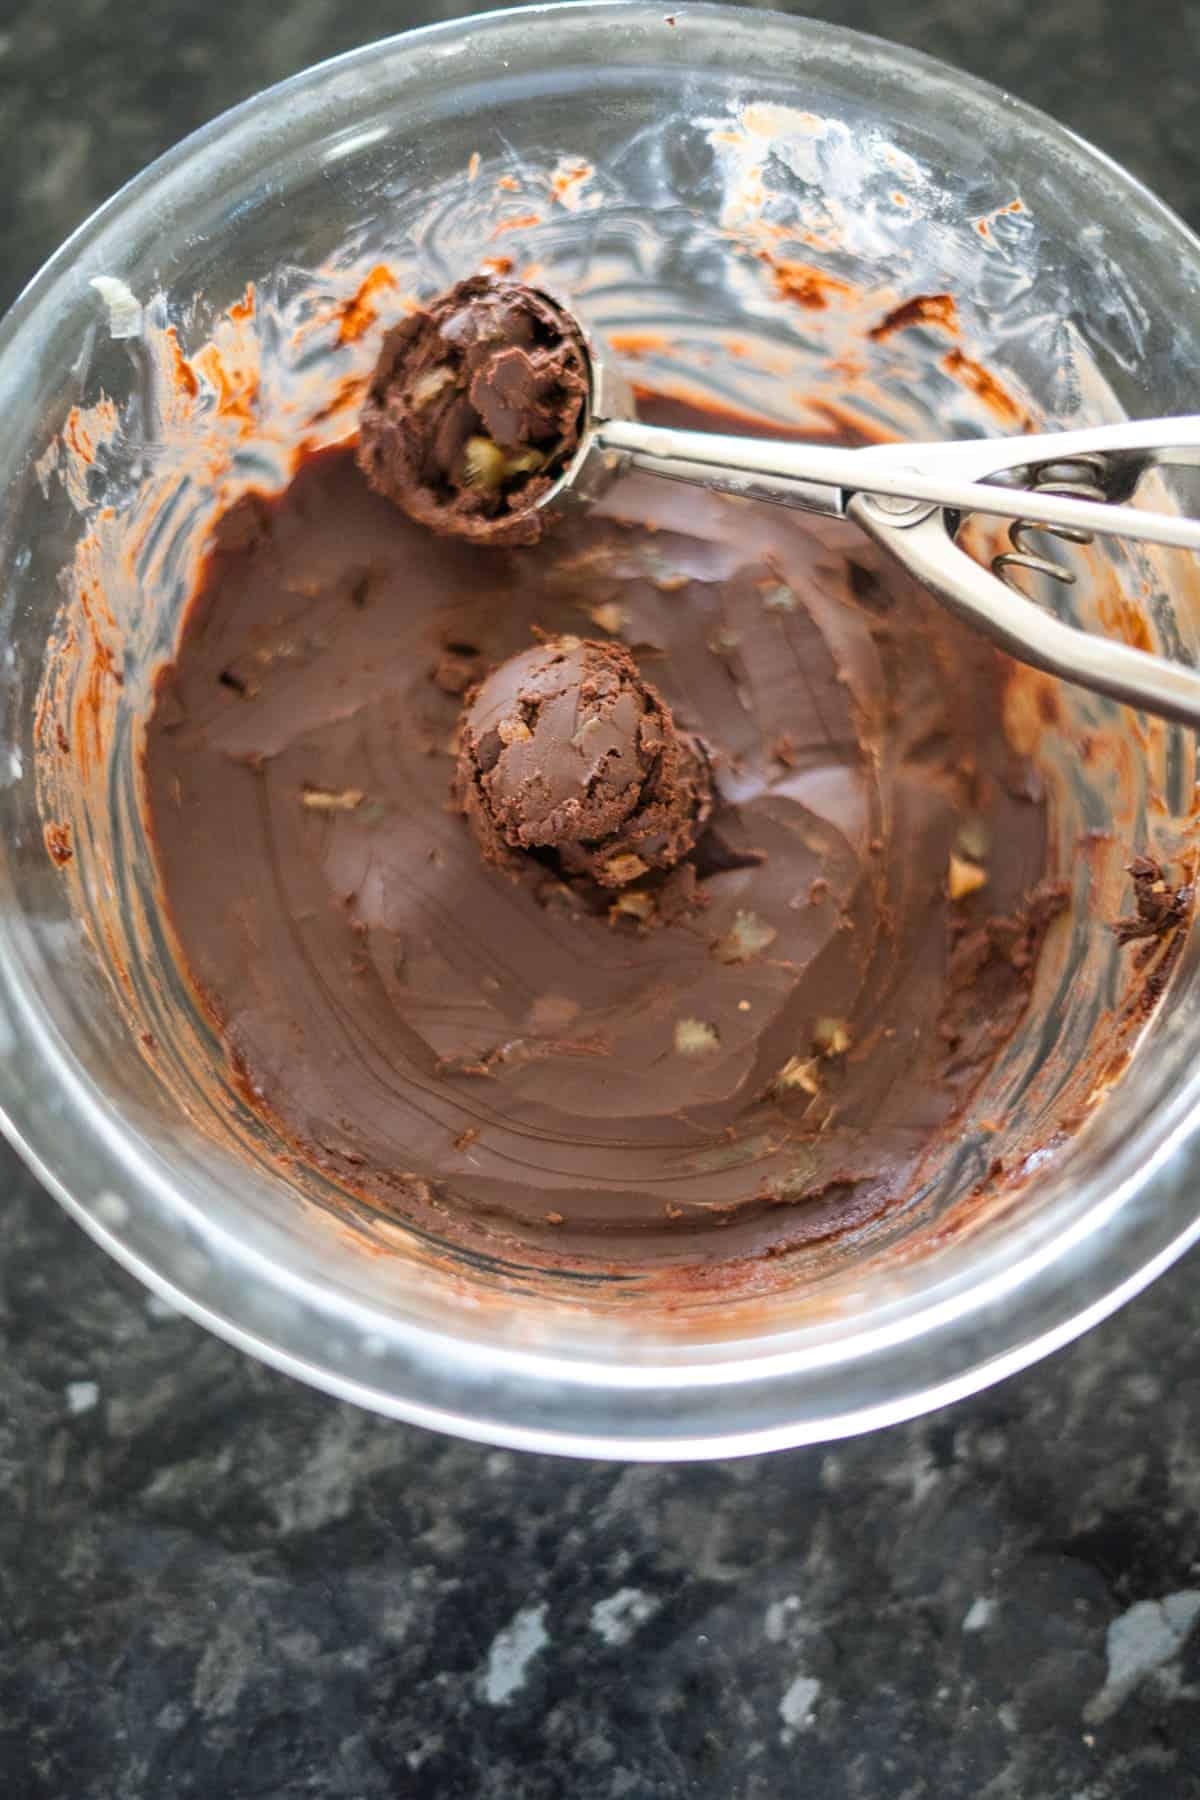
505 1049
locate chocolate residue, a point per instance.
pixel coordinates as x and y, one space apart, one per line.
1158 907
804 283
58 843
991 969
922 309
755 1076
566 748
985 387
474 409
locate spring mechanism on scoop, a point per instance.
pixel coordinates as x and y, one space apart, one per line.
1082 478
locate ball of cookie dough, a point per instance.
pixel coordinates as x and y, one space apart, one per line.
474 409
566 748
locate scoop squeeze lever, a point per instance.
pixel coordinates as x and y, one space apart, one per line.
913 500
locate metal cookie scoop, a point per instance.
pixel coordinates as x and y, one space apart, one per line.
913 499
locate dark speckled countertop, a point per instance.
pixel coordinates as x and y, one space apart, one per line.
215 1583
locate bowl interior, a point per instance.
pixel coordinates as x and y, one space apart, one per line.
738 200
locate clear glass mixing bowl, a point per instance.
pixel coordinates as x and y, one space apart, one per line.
735 197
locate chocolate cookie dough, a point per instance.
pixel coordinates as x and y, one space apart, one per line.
474 409
565 748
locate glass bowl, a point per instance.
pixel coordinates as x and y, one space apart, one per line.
692 179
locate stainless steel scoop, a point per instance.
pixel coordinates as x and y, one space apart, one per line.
913 499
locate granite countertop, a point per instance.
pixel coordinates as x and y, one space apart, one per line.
216 1583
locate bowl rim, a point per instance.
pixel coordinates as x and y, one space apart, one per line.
522 1398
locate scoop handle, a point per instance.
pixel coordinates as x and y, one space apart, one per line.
1166 690
908 497
821 478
